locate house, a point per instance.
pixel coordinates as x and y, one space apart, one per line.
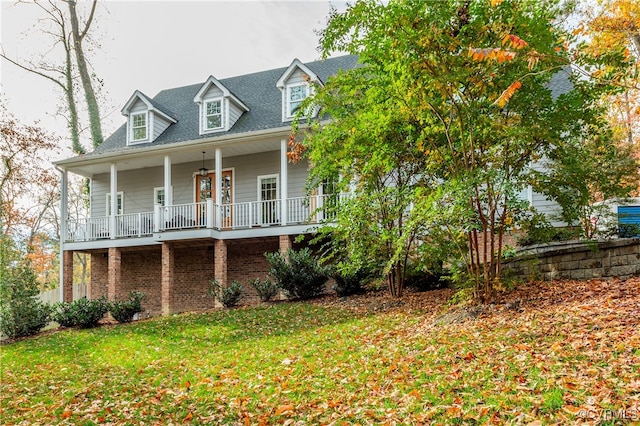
194 186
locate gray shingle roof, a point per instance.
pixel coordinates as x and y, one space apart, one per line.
257 90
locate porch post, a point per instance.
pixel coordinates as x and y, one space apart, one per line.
168 263
284 181
284 243
66 291
64 271
168 193
114 274
114 201
218 187
220 262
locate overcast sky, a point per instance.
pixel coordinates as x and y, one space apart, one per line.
154 45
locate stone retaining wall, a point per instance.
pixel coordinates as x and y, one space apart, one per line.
577 260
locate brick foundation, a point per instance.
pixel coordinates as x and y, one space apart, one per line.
175 276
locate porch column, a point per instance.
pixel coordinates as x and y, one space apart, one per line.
168 263
114 201
66 291
284 181
220 262
168 193
114 274
64 271
285 243
218 187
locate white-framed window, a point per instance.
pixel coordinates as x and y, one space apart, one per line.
139 127
159 197
268 192
119 201
295 95
213 115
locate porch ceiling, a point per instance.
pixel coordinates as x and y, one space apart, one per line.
154 156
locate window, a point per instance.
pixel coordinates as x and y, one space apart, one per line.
213 115
268 197
159 197
119 201
295 96
139 126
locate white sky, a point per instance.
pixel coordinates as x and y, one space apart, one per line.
154 45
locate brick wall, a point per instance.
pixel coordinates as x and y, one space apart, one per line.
578 260
141 271
193 270
245 260
99 275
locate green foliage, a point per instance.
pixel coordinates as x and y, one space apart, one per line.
266 289
124 310
298 272
229 296
449 116
420 280
536 229
82 313
21 312
351 282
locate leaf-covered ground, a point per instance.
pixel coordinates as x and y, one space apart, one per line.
545 353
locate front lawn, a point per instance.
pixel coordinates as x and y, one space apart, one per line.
552 353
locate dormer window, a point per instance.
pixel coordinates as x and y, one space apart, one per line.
296 85
139 127
219 108
213 114
295 95
146 119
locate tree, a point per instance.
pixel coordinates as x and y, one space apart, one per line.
612 32
66 33
28 191
459 90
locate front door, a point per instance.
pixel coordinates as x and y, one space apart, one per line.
205 189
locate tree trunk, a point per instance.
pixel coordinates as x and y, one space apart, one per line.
85 77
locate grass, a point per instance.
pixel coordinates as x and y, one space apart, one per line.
301 362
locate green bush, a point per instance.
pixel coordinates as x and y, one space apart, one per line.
125 310
298 273
229 296
425 280
266 289
350 283
83 313
21 312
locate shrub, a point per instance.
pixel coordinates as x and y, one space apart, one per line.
266 289
83 313
229 296
21 312
349 283
125 310
298 273
425 280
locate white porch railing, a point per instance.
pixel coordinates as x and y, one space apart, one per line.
204 215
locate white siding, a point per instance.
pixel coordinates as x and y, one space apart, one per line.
138 106
213 92
160 124
234 113
138 185
297 77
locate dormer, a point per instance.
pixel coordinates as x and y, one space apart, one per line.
219 109
145 120
295 85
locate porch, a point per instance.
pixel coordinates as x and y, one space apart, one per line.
199 216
